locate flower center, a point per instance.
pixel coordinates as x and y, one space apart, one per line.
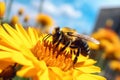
52 55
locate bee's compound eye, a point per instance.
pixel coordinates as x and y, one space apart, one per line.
57 29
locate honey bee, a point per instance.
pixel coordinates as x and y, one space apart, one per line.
70 38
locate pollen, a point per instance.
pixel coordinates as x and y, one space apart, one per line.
52 56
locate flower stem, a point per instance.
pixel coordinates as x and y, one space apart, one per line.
1 20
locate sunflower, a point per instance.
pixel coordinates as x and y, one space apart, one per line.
33 58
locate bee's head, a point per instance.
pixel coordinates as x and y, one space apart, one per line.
56 30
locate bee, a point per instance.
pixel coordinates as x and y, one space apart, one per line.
70 38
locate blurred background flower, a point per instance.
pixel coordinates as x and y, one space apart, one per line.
26 18
45 22
20 11
14 20
2 9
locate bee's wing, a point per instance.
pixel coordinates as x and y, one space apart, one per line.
87 38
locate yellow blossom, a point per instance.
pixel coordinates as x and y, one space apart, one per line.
106 34
115 65
26 19
21 11
38 61
14 20
110 42
45 22
2 9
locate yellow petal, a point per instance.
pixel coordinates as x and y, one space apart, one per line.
7 38
12 32
14 57
29 54
32 35
17 37
89 62
23 35
89 77
81 58
37 69
88 69
27 71
5 48
57 74
36 33
43 75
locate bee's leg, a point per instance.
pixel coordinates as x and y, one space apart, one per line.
76 57
74 48
85 50
66 45
46 37
58 40
56 37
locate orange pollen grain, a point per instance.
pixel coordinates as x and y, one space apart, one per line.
48 53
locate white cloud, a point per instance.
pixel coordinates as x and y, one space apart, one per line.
64 9
70 11
50 8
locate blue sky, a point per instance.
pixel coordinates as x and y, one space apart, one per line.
77 14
